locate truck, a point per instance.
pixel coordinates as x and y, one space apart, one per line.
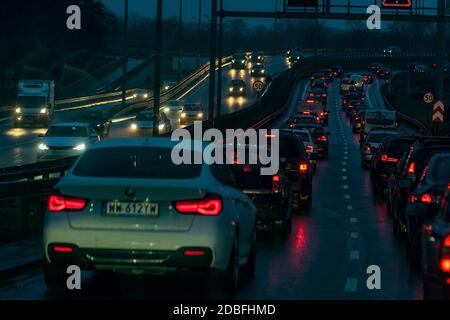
35 103
314 107
377 119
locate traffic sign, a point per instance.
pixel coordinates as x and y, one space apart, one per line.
258 86
438 111
428 97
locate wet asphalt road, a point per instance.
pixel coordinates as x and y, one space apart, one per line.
326 256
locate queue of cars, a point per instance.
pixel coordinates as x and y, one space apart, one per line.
412 173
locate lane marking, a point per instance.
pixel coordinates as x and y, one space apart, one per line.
354 235
354 255
344 177
345 186
351 284
344 170
349 207
353 220
346 196
344 163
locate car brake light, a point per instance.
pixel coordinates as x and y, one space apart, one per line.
412 167
57 203
194 252
426 198
303 167
63 249
385 158
444 263
447 241
322 138
211 206
309 149
310 101
276 184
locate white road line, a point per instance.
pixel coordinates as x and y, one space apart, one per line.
351 284
354 235
344 170
344 163
345 158
353 220
345 186
354 255
346 196
344 177
349 207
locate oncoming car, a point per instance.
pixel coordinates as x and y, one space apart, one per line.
65 140
237 88
143 213
192 112
143 124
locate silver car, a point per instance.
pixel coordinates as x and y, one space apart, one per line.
125 205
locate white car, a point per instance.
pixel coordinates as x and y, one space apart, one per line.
173 108
65 140
125 205
143 124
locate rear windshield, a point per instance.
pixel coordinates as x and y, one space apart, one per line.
290 147
66 131
134 162
193 107
441 171
397 148
148 116
249 177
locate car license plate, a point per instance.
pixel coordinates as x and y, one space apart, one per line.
119 208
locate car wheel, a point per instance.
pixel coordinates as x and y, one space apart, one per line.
250 266
55 277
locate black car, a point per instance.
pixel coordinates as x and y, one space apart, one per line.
258 71
337 71
367 78
295 161
238 61
435 248
374 67
390 151
271 194
319 94
319 135
384 74
351 96
319 83
97 120
433 181
405 176
237 88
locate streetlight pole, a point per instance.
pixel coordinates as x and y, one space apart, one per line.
440 57
125 54
219 73
275 26
157 69
180 38
199 31
212 61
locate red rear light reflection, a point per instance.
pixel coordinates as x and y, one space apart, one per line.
426 198
206 207
445 265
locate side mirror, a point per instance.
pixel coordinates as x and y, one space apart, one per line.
405 183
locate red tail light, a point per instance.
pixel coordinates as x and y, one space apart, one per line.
194 252
57 203
412 167
311 94
310 101
303 168
211 206
309 149
324 94
276 184
63 249
385 158
444 264
426 198
322 138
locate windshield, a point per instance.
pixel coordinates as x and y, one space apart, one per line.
66 131
31 101
134 162
193 107
147 116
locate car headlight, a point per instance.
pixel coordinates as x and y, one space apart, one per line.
42 146
146 95
243 61
134 126
263 71
259 57
232 61
200 115
161 126
135 95
183 115
18 110
166 109
80 147
231 89
166 88
43 110
241 89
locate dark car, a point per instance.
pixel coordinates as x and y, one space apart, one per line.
319 135
367 78
271 194
374 67
389 154
351 96
327 75
435 248
384 74
319 83
258 71
295 161
238 61
319 93
337 71
237 88
304 119
403 180
97 120
357 121
433 181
